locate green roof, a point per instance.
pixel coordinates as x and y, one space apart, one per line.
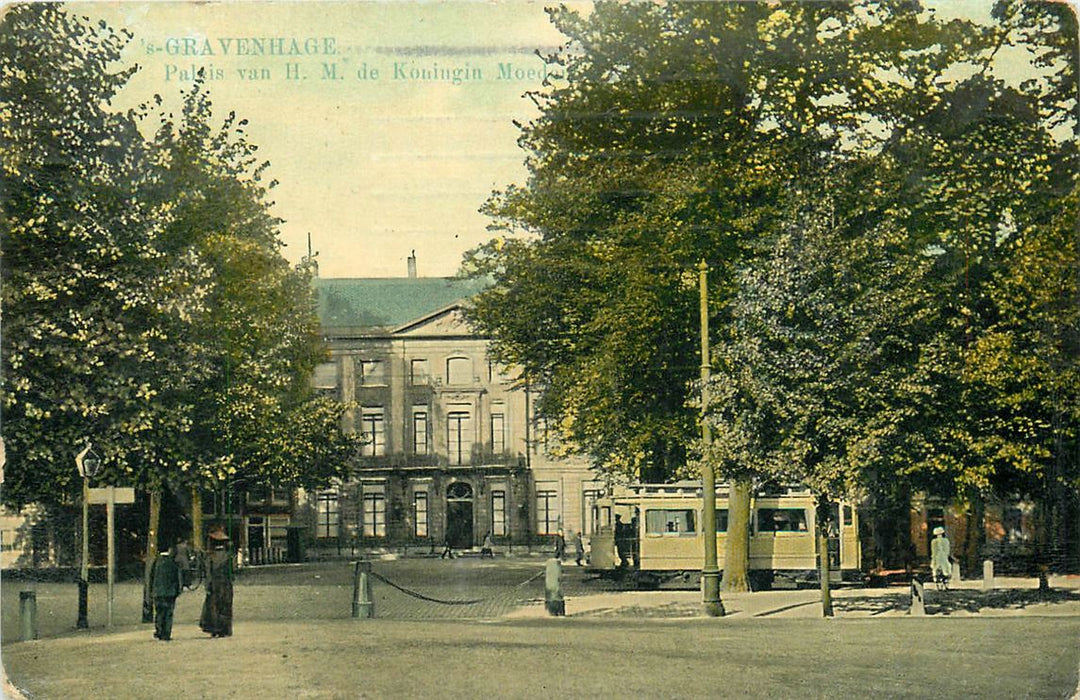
381 303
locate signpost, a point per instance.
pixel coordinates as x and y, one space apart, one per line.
110 496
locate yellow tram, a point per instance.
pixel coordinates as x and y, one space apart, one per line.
660 538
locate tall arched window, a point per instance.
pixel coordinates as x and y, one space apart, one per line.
459 434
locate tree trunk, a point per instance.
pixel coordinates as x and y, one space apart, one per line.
737 541
822 527
151 554
976 534
196 518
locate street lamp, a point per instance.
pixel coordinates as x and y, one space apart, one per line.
88 464
710 572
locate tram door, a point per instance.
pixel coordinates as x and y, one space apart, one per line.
602 539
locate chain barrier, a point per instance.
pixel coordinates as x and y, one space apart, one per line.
440 601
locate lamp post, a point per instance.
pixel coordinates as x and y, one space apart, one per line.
710 572
88 463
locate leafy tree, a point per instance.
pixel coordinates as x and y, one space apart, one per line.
256 419
678 132
146 303
87 287
920 344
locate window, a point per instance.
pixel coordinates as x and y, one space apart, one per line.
419 374
325 378
327 514
265 495
372 373
671 521
459 370
498 513
459 435
258 494
277 529
420 514
420 430
540 434
497 373
721 519
498 433
547 511
373 430
781 520
373 510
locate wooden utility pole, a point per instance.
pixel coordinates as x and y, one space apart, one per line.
710 573
196 518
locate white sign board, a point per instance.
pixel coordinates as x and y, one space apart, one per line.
121 494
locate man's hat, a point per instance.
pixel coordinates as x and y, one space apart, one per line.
939 530
218 533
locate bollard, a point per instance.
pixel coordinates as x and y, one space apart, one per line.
553 597
954 578
84 588
28 615
988 574
363 606
918 602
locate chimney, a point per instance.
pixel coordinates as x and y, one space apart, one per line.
412 265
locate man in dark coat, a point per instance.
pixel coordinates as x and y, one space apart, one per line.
216 618
165 586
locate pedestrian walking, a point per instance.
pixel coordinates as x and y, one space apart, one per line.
448 549
579 549
940 558
487 549
165 587
217 612
560 545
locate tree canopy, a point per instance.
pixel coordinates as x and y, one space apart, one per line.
676 133
146 305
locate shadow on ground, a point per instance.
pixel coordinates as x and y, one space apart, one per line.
955 601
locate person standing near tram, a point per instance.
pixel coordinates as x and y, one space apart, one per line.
940 556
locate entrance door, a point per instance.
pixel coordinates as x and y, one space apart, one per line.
459 515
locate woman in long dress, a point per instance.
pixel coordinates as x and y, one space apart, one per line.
216 618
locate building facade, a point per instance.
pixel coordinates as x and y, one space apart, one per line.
452 448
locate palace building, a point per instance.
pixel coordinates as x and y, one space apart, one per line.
452 447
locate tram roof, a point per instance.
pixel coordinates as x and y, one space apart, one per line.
693 488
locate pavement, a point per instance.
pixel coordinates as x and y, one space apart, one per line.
294 637
1010 596
513 589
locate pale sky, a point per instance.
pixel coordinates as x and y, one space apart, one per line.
371 167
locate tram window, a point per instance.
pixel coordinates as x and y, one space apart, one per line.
721 519
670 522
781 520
